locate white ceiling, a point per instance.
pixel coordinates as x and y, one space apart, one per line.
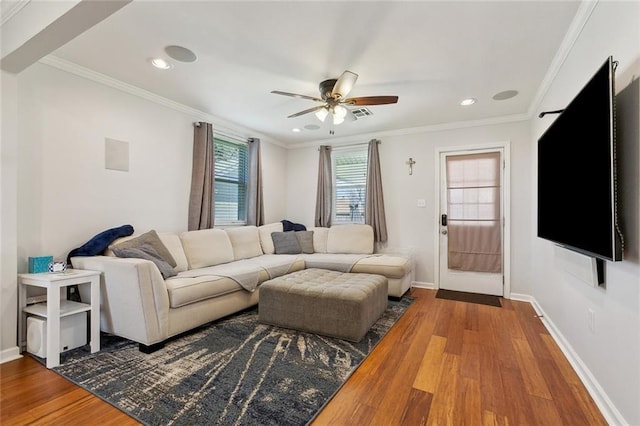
430 54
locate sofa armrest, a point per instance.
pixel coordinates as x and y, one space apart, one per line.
134 302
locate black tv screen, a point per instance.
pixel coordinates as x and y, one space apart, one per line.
576 173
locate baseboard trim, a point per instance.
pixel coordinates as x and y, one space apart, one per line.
420 284
10 354
600 397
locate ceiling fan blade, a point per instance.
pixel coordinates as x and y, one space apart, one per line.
372 100
307 111
295 95
344 85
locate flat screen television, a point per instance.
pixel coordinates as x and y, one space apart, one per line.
577 201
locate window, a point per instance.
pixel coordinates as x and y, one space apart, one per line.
230 175
350 183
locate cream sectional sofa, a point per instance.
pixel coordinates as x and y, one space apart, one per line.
219 273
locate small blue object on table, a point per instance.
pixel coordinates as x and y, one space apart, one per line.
39 264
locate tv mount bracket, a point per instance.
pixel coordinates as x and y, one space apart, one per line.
543 113
560 111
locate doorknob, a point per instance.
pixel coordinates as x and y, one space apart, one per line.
444 232
443 219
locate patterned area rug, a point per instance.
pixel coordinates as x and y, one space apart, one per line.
231 372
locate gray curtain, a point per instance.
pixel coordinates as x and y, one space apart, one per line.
374 200
201 208
324 195
255 208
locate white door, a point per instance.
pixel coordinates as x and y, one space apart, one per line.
471 221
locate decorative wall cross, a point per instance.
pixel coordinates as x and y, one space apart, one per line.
411 163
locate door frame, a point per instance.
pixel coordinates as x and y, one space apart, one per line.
506 208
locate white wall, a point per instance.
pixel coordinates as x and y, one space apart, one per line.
8 217
611 354
410 227
65 194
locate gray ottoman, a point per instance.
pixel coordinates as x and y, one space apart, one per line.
330 303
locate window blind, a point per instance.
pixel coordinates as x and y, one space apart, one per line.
230 194
350 182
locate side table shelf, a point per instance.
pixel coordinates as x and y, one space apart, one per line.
67 307
58 307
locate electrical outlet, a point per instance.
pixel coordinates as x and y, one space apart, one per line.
421 202
591 320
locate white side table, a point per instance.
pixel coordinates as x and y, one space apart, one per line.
57 306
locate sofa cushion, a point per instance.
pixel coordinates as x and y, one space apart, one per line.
286 242
386 265
265 236
172 242
146 252
183 291
320 239
305 239
353 238
206 247
150 238
245 241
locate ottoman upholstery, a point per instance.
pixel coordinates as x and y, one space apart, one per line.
330 303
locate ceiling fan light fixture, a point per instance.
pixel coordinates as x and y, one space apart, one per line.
339 111
337 120
322 114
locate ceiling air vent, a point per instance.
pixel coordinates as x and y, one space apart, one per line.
361 112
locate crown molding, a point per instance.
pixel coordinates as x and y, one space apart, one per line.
575 29
12 11
415 130
195 114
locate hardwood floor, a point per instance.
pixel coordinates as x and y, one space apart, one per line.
443 363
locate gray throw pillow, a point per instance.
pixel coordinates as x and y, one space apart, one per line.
147 252
154 241
305 239
285 243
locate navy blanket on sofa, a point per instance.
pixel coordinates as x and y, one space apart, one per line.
100 242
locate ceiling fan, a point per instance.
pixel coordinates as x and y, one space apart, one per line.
333 95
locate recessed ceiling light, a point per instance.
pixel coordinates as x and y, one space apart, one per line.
296 130
507 94
180 53
468 101
160 63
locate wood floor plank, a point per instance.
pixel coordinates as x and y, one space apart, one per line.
546 413
417 408
491 383
444 398
468 403
470 359
562 394
32 394
455 333
568 373
428 376
518 401
532 376
490 418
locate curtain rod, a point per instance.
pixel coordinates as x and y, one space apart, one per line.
229 134
352 144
